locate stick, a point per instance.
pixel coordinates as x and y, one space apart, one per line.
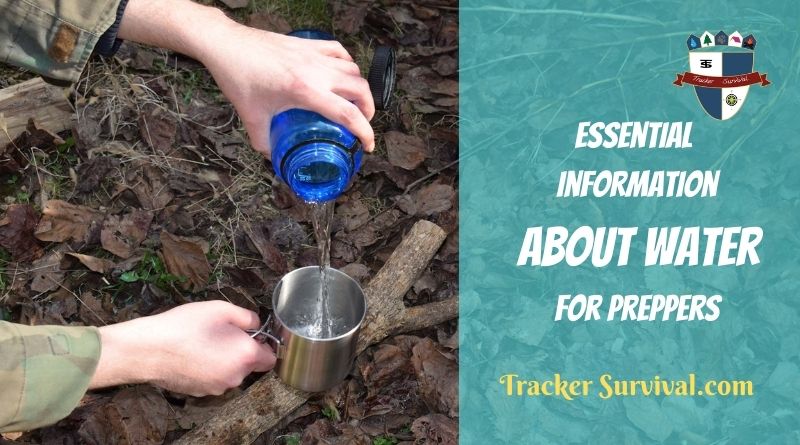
267 401
45 103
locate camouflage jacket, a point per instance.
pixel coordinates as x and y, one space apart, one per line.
55 38
44 372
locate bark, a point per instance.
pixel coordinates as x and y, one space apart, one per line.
45 103
266 402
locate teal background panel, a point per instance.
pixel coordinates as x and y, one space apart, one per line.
529 73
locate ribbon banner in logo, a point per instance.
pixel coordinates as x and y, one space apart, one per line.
722 82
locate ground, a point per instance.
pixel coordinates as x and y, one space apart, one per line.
155 198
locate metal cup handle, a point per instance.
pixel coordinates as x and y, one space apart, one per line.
264 335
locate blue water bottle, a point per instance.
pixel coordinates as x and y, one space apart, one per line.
315 156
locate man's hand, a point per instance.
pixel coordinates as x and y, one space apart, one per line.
260 72
196 349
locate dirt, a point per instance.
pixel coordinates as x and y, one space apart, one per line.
156 199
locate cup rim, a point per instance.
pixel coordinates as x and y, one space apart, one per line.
338 337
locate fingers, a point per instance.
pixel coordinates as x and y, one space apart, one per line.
356 89
345 66
241 318
264 358
334 49
344 112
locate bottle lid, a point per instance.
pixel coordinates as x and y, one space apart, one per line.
381 77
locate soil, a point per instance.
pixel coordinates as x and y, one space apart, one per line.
155 199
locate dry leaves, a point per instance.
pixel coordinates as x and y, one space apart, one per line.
151 188
99 265
121 235
271 255
158 128
16 233
405 150
429 200
62 221
438 377
436 428
135 416
185 258
47 273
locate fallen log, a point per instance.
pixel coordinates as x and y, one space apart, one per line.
267 401
46 104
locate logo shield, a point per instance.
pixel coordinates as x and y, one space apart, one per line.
721 103
721 71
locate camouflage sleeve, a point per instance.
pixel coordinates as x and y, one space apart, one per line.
53 38
44 372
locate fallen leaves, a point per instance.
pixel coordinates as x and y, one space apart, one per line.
429 200
121 235
438 377
16 233
95 264
436 428
135 416
62 221
158 128
405 150
151 187
185 258
47 273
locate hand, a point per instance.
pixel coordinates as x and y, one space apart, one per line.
264 73
260 72
197 349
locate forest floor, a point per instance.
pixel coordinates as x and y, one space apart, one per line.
155 199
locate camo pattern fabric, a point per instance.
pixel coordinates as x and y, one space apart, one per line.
53 38
44 372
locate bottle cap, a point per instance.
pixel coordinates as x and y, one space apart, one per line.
381 77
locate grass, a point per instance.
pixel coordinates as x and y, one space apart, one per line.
299 13
384 440
152 270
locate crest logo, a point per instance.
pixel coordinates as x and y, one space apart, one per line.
721 71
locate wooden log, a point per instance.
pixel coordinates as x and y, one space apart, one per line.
46 104
268 400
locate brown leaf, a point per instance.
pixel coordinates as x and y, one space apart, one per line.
157 127
387 362
151 188
62 221
13 157
91 310
92 173
436 428
348 16
447 87
356 271
446 65
16 233
185 258
429 200
121 235
269 21
437 376
352 214
272 256
135 416
99 265
47 273
405 150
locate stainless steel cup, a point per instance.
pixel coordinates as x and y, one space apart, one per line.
304 362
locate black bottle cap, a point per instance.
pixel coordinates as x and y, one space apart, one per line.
381 77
